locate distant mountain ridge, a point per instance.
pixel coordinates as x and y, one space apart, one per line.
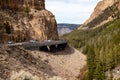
105 11
64 28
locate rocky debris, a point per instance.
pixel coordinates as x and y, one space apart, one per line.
105 11
56 78
17 59
34 22
114 73
19 64
23 75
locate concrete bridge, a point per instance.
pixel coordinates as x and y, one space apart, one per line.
48 45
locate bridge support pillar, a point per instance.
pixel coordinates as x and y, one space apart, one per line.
43 48
52 48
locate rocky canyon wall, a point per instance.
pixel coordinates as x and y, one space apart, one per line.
30 21
105 11
21 4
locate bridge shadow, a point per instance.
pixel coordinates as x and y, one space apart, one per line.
52 48
67 51
29 62
61 50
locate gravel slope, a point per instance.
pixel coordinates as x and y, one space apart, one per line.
63 65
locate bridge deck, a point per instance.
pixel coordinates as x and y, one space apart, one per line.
45 43
51 45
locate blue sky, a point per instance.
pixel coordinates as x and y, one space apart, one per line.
71 11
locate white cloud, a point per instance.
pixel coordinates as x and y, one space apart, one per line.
71 11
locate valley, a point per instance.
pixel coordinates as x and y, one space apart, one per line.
33 46
37 65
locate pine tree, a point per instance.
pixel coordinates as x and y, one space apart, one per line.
90 63
99 72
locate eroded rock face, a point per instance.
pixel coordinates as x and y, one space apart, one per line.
45 25
36 23
104 7
21 4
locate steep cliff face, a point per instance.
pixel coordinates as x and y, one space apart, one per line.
21 4
30 21
45 25
105 11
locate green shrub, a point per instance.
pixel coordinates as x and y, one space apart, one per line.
27 10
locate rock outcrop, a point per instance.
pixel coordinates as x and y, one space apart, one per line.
21 4
105 11
22 20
